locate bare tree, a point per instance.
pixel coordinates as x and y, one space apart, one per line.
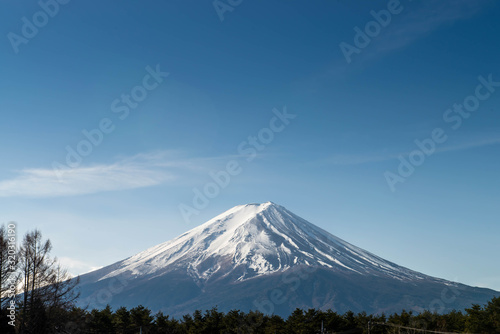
8 264
34 265
59 294
47 288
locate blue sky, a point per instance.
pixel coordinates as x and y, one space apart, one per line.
350 124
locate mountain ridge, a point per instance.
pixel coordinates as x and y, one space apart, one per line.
244 230
253 245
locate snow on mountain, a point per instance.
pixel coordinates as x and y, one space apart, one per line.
239 259
256 239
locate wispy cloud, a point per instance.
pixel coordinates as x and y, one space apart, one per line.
142 170
417 22
469 145
356 159
359 159
138 171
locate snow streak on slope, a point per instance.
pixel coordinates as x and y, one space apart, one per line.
256 239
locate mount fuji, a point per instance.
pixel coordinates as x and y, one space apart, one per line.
263 257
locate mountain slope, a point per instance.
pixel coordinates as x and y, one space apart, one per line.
237 260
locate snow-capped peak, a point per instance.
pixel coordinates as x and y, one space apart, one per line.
253 240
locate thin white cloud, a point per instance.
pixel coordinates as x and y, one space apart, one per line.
415 21
143 170
469 145
138 171
359 159
429 16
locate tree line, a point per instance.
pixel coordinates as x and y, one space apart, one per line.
35 291
46 298
477 319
